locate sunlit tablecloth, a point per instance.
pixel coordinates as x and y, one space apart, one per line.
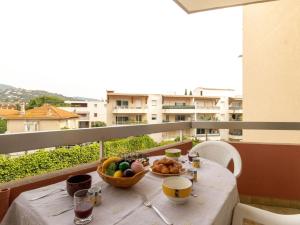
216 190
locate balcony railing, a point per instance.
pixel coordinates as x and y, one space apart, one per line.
10 143
258 180
235 107
208 107
130 122
178 107
126 107
236 132
130 110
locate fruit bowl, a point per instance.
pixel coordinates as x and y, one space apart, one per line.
121 182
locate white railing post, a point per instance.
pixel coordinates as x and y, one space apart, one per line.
101 148
181 135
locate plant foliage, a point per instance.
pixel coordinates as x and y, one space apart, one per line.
3 126
43 161
39 101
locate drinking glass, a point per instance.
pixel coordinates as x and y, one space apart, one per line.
83 207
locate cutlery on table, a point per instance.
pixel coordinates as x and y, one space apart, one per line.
48 194
149 204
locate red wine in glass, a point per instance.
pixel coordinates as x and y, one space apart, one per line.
83 210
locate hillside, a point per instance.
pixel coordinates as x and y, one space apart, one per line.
12 94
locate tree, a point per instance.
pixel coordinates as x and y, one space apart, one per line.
3 126
39 101
185 92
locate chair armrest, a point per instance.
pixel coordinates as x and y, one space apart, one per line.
263 217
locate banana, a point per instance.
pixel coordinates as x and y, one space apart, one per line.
107 162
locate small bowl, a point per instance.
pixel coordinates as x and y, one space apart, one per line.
173 153
177 189
78 182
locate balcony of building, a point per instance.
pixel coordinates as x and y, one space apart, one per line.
235 105
122 103
129 119
177 118
235 134
84 116
235 117
264 165
207 134
178 109
207 109
206 117
130 110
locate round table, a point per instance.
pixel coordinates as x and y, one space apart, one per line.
216 189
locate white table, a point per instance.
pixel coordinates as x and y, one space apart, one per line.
216 190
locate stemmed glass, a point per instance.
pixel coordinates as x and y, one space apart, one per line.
83 207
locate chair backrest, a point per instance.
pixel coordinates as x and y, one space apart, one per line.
220 152
260 216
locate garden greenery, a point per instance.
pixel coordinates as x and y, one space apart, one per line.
43 161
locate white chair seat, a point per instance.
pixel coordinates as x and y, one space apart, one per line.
220 152
262 217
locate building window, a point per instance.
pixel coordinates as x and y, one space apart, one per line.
200 131
138 118
179 118
153 116
154 102
31 126
180 103
122 103
122 119
95 114
95 105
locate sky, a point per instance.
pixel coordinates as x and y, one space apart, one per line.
83 48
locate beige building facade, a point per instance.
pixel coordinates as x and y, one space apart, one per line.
271 68
44 118
127 108
90 112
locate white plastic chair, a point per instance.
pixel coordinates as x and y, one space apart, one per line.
220 152
263 217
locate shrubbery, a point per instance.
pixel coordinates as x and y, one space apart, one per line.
44 161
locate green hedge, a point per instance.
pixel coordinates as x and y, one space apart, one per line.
128 145
43 161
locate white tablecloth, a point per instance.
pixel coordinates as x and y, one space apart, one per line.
216 190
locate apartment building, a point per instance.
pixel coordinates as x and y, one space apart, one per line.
126 108
90 112
271 57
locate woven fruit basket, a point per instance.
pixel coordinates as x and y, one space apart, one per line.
121 182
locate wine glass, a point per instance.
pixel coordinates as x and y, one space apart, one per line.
83 207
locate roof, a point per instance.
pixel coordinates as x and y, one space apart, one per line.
45 112
7 112
215 89
126 94
191 96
